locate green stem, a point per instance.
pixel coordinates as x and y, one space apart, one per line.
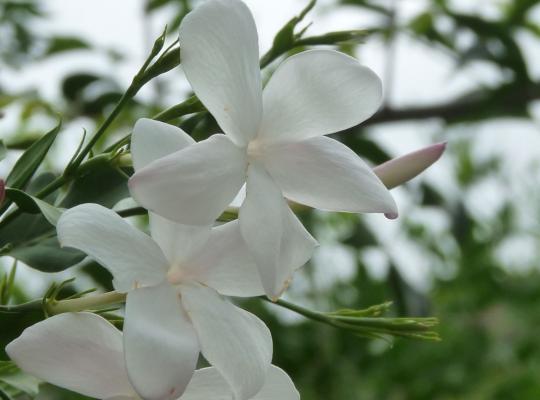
314 315
128 95
417 328
33 305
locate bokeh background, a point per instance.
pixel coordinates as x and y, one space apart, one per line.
466 246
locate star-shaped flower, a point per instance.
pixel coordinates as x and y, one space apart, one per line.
83 352
273 141
172 280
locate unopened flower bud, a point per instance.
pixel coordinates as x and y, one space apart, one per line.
402 169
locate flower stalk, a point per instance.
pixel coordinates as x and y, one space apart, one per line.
366 323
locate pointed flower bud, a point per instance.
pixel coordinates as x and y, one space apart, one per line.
402 169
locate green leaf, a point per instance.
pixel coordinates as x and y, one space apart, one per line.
103 185
285 39
4 395
15 382
73 85
33 205
60 44
46 255
28 163
31 239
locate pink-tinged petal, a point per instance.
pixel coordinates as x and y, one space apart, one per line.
81 352
131 256
225 264
178 242
235 342
318 92
220 56
275 237
208 384
152 140
194 185
402 169
325 174
160 344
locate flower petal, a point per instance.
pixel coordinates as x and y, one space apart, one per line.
220 56
226 264
132 257
152 140
318 92
81 352
234 341
178 242
161 347
324 173
208 384
278 386
283 245
194 185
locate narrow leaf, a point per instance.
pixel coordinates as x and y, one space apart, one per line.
33 205
28 163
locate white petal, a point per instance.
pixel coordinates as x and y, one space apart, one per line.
234 341
81 352
208 384
324 173
194 185
161 346
282 245
178 242
152 140
132 257
220 56
318 92
278 386
226 264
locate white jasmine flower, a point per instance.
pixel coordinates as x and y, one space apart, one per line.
82 352
173 310
273 141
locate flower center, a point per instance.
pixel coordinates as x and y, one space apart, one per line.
175 275
255 149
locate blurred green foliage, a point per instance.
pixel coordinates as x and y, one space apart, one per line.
488 310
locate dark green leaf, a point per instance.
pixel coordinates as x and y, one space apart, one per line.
74 84
46 255
32 240
103 185
28 163
33 205
60 44
99 104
